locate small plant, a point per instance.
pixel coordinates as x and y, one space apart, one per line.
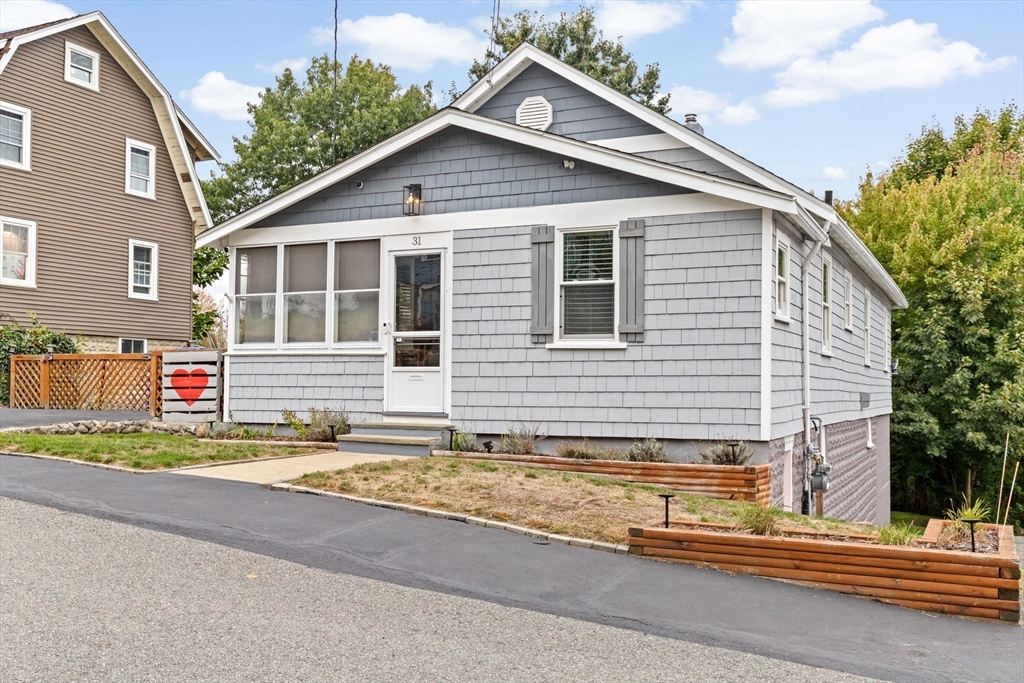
897 534
245 432
584 450
519 440
324 424
726 453
957 530
648 450
464 442
758 520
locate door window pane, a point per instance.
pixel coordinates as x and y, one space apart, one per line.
254 319
418 293
356 316
257 271
418 353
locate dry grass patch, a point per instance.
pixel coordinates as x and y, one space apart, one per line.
581 505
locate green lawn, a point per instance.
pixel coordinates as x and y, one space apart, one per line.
142 451
915 520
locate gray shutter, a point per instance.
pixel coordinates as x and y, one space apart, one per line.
631 280
542 289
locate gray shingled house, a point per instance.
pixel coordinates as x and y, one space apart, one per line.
548 251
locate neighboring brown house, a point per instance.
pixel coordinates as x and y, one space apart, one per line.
99 198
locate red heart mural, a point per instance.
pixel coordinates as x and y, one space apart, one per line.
189 385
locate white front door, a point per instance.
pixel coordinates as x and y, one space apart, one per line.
416 332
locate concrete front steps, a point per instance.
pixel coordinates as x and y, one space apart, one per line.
391 438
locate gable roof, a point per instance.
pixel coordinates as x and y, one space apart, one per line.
176 128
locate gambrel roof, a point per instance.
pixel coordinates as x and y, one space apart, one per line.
178 131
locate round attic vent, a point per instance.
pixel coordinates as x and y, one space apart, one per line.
534 112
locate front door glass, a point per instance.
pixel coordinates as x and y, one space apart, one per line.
417 310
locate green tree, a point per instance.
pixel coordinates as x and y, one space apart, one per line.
293 135
953 239
208 265
576 40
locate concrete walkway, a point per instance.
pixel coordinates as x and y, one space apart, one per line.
281 469
14 417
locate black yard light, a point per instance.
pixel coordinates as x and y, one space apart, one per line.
451 436
733 446
971 523
413 197
489 445
666 496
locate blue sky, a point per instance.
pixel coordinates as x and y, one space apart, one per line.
814 91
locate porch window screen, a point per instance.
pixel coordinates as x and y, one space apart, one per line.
588 284
356 291
255 295
305 293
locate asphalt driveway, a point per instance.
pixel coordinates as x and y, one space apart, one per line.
16 417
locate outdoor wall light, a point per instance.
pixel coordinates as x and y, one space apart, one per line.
413 199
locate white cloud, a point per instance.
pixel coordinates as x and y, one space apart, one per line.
407 42
835 173
15 14
278 67
710 106
217 94
630 19
902 55
775 32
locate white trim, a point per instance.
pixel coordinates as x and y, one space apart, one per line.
887 332
787 473
145 344
826 306
871 435
94 80
783 314
26 137
200 138
641 143
30 265
767 330
848 302
867 326
153 294
151 180
612 341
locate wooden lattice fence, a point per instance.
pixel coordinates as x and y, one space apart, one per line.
88 381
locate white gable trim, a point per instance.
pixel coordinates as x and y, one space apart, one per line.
641 143
163 104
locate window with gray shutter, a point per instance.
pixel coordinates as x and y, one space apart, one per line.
542 290
631 280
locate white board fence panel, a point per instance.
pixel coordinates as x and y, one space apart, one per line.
192 382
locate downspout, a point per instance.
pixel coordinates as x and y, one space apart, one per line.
812 452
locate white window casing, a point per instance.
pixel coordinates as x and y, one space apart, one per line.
143 269
15 137
783 281
887 331
17 252
586 297
535 112
867 327
848 303
826 305
131 345
81 66
139 169
871 435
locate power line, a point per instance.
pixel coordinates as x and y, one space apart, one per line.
334 127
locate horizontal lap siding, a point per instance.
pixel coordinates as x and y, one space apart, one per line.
462 170
260 387
576 112
696 376
75 194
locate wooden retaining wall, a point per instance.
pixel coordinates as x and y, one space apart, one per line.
752 483
980 585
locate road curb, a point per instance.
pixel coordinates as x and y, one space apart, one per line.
131 470
456 517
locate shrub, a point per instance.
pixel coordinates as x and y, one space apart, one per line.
958 530
648 450
321 420
27 341
519 440
721 453
464 441
583 450
897 534
758 520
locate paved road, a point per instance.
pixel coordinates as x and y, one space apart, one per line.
75 606
13 417
740 613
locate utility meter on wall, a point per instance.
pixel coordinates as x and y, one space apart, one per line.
819 477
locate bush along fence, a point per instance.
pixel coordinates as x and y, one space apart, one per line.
980 585
751 483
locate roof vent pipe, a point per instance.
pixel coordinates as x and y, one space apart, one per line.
828 197
691 123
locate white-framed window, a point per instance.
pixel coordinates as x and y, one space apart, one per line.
15 136
586 270
256 295
871 435
18 252
81 66
139 169
305 294
867 327
356 292
128 345
826 305
848 303
142 270
782 279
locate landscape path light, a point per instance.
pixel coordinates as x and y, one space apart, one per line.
971 523
666 496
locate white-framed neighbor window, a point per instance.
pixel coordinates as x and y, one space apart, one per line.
81 66
18 252
848 303
15 136
142 270
586 270
140 169
782 278
871 435
129 345
826 306
867 327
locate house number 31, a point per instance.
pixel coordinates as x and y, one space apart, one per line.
417 241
